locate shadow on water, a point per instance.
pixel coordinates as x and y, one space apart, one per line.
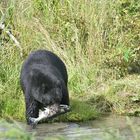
112 126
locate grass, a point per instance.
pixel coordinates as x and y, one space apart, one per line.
97 40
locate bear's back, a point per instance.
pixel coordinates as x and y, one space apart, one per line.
46 58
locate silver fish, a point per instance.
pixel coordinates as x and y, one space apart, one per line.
50 112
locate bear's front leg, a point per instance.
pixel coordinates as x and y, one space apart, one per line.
32 109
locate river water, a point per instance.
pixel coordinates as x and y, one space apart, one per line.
110 127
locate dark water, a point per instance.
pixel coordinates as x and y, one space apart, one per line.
109 127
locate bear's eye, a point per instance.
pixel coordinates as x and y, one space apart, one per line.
59 85
44 87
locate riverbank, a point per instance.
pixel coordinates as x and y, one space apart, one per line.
98 41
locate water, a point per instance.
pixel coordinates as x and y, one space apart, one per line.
120 126
106 128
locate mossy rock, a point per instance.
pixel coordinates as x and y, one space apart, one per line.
80 111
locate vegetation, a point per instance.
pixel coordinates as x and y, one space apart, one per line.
98 41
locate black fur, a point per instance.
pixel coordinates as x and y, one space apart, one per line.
44 82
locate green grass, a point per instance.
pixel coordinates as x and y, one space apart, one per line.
97 40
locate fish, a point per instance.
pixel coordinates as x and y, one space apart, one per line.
49 112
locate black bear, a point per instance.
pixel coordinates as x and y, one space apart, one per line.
44 82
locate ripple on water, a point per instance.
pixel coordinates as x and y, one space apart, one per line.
92 130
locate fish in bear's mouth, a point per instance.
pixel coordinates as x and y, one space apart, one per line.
49 112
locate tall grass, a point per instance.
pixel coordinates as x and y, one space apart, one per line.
97 40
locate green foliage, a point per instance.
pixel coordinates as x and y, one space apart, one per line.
11 99
124 95
97 40
78 112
